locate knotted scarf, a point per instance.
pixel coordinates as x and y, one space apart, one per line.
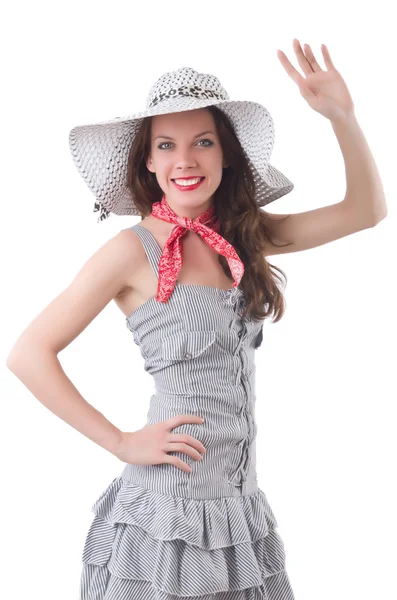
207 226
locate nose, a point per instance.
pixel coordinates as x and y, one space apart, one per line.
185 158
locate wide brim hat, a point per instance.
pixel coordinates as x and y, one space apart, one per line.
100 150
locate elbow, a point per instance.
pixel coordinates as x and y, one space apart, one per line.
13 360
375 219
381 213
21 355
380 217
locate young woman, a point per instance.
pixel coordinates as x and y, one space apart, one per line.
186 517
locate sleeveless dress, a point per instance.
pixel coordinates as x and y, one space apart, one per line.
160 533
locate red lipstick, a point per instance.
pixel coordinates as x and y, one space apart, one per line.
187 188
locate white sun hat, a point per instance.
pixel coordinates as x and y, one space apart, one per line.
100 150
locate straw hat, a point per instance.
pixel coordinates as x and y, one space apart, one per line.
100 150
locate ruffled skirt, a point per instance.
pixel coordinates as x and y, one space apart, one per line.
149 546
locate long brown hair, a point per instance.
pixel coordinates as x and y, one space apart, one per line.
242 222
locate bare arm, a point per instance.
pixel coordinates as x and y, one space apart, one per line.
34 357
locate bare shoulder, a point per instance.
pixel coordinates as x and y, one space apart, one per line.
130 255
116 261
102 277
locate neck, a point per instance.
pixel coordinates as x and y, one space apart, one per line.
189 212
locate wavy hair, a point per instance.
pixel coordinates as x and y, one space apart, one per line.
242 222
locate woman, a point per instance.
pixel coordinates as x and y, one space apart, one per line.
186 517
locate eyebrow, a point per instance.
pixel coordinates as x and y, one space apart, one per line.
170 138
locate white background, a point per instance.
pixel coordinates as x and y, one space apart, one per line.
326 391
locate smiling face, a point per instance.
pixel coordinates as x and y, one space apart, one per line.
178 151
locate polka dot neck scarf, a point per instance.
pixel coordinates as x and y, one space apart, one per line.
205 225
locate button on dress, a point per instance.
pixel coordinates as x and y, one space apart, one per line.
160 533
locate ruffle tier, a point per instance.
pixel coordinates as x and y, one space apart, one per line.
146 545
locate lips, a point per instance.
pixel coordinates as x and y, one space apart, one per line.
187 188
186 178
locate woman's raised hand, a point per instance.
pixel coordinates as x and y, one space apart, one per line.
324 90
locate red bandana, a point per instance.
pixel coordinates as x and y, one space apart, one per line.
206 226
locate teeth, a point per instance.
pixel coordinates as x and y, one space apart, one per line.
187 181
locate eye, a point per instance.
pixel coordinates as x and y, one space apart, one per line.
210 143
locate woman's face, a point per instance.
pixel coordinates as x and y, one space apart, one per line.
187 154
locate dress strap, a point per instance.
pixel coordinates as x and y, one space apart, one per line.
151 246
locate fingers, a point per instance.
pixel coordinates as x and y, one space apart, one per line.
290 69
174 460
180 419
311 59
179 442
186 438
181 447
177 462
306 59
327 58
302 59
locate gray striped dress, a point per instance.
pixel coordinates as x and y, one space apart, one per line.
160 533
